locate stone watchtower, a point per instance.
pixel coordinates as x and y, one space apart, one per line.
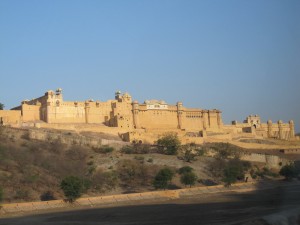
280 127
292 129
270 128
179 114
135 110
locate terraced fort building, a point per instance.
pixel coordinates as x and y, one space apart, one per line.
135 121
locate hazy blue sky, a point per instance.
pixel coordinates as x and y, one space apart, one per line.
242 57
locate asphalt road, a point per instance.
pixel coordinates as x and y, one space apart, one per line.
221 208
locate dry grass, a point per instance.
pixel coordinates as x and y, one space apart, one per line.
30 168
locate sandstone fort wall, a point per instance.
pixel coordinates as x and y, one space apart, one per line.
152 115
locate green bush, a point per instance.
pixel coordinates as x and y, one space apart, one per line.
268 172
86 185
127 149
136 148
72 187
235 170
262 173
104 149
188 178
289 171
226 150
169 143
253 174
185 169
163 178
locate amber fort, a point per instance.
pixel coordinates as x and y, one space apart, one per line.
139 122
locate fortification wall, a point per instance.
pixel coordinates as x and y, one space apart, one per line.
216 137
66 113
71 139
10 116
158 119
213 120
79 112
31 112
291 151
192 120
99 112
122 115
81 127
150 136
40 100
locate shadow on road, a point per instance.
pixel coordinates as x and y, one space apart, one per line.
221 208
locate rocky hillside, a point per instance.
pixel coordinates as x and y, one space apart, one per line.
32 170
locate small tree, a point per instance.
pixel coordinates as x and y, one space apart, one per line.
1 106
289 171
169 143
188 178
235 170
163 178
72 187
230 175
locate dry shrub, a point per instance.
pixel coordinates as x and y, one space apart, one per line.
28 170
104 149
133 173
216 167
102 181
76 153
138 148
23 194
